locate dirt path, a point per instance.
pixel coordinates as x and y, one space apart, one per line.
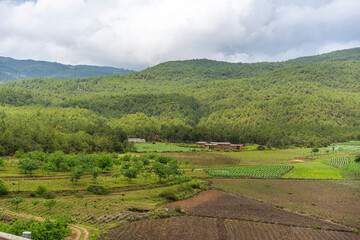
75 228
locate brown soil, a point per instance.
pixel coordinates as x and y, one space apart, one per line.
215 215
217 204
297 160
336 200
200 228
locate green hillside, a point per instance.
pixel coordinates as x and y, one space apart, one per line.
12 69
310 101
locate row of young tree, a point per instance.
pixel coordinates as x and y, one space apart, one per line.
94 164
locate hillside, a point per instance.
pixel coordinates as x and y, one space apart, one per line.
310 101
12 69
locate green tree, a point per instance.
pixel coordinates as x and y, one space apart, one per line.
50 203
104 160
357 159
16 201
94 171
28 164
131 173
76 174
160 170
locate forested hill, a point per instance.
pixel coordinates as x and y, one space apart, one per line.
312 101
12 69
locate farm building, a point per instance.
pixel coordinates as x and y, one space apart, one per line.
136 140
222 145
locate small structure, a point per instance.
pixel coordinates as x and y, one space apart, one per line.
201 143
136 140
222 146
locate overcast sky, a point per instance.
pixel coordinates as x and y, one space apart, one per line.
136 34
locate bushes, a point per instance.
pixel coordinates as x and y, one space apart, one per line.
47 230
3 188
169 195
98 190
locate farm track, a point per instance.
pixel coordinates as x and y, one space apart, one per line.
78 230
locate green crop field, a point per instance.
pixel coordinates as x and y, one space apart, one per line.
347 167
353 146
313 170
251 171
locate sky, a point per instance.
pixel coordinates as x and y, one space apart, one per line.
136 34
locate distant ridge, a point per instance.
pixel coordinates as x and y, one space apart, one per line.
13 69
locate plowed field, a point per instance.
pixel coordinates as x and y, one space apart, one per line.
198 228
214 215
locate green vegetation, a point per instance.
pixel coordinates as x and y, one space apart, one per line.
251 171
313 170
161 147
349 168
187 101
12 69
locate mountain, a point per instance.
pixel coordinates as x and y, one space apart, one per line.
309 101
12 69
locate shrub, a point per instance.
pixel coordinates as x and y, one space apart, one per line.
169 195
3 188
177 209
180 180
98 190
260 148
49 195
126 157
357 159
41 190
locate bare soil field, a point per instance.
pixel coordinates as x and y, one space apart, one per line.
217 204
214 215
201 228
334 200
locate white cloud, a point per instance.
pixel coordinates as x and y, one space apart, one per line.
139 33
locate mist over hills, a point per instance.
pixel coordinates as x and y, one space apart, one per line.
308 101
12 69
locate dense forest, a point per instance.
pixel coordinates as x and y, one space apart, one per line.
310 101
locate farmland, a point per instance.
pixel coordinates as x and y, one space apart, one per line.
260 181
251 172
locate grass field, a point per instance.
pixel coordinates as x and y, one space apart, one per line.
162 147
313 170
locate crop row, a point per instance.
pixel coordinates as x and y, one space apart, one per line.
348 167
275 171
337 162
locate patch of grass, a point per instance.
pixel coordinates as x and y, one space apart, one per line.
161 147
313 170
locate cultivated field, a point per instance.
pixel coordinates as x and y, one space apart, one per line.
273 194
